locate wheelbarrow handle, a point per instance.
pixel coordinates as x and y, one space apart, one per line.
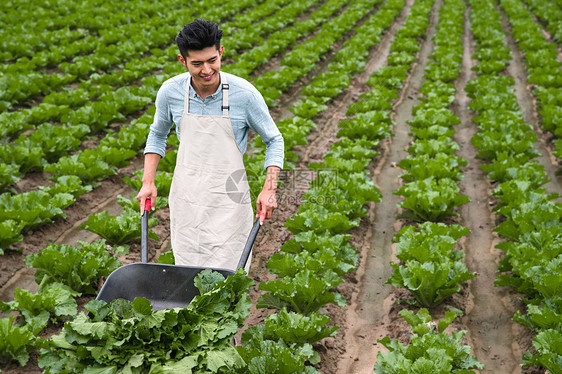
249 244
144 231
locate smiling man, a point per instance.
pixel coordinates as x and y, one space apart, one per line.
213 112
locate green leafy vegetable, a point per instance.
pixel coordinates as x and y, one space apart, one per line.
36 308
120 229
77 267
430 199
429 351
430 282
303 293
16 342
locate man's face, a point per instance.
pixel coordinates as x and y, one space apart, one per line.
204 67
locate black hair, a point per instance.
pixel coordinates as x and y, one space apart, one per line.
198 35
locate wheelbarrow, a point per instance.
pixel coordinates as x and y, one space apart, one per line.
166 286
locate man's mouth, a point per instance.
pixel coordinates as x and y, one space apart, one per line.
207 77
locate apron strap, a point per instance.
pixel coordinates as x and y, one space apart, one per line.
225 106
186 97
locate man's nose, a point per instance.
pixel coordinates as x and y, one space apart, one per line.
206 68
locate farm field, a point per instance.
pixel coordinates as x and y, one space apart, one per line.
419 208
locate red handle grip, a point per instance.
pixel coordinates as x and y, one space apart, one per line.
147 205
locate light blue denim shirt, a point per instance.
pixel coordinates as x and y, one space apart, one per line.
247 110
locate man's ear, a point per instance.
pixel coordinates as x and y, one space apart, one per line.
220 51
182 60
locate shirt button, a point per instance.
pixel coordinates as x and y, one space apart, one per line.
204 105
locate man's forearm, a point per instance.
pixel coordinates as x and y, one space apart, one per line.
271 178
150 165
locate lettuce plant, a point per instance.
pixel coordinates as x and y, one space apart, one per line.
52 300
431 349
305 292
121 229
284 342
16 342
548 345
440 165
430 199
77 267
430 282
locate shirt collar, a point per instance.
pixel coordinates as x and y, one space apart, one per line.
193 94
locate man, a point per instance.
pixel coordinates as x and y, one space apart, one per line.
214 110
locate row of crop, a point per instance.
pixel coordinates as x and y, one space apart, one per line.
32 30
281 40
309 266
531 219
64 272
551 14
119 46
90 166
431 191
77 175
59 105
241 36
51 261
430 267
122 25
111 35
118 36
294 129
544 70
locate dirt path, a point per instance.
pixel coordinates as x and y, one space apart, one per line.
492 333
371 317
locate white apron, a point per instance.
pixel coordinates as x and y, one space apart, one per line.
210 207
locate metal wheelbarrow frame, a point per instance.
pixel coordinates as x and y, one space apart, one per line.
166 286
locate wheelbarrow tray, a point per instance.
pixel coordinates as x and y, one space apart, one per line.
166 286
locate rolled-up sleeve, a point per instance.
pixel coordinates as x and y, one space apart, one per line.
261 122
160 128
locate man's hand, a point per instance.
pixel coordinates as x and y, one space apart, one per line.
266 204
267 201
147 191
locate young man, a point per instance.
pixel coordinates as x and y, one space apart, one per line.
213 112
